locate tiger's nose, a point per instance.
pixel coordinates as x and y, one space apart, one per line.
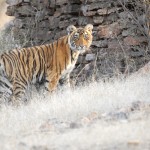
82 46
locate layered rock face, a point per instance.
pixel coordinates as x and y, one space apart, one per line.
121 41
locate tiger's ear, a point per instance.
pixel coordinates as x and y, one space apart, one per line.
71 28
89 27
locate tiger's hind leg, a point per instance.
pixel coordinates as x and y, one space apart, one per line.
19 93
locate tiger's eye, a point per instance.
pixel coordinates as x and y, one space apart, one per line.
76 35
86 35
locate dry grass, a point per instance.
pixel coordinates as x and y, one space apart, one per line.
62 121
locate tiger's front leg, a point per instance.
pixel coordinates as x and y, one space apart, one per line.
51 82
64 82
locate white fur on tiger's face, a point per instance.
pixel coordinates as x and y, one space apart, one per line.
80 39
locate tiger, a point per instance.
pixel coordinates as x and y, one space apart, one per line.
49 63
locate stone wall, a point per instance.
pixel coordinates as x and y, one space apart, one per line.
121 31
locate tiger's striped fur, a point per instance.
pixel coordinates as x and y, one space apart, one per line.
50 62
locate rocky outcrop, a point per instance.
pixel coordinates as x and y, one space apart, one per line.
121 33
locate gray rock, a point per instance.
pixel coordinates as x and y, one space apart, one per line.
61 2
13 2
74 125
100 44
90 57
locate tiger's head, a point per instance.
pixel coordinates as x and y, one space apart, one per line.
80 39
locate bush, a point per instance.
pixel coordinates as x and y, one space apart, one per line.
7 41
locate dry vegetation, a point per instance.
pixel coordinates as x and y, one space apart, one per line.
110 115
